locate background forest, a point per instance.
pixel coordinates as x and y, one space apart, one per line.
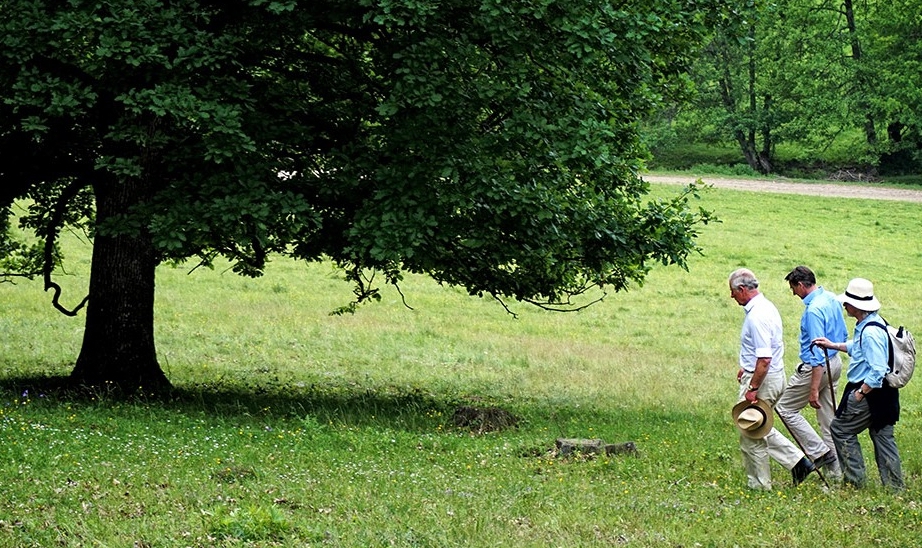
803 88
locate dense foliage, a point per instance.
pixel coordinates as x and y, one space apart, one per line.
489 144
810 72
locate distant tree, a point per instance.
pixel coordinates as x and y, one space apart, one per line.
892 59
855 66
809 71
489 144
743 92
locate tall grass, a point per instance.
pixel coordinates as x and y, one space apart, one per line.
292 427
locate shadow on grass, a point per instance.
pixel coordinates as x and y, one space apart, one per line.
403 407
354 405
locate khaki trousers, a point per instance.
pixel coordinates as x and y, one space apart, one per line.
796 396
756 453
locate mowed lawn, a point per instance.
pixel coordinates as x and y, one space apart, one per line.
292 427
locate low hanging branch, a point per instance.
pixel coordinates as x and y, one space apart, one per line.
567 305
54 226
365 289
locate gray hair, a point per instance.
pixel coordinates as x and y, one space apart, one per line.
743 277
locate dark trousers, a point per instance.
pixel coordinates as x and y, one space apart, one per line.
853 418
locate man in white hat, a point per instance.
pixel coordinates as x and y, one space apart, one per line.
868 402
761 376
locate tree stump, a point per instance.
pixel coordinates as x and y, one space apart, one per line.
568 446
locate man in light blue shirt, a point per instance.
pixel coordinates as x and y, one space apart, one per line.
868 402
811 383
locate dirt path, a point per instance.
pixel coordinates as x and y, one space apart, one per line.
813 189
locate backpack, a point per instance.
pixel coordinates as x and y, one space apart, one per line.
902 355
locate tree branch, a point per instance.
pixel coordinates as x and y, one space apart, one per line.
402 296
504 305
562 306
50 237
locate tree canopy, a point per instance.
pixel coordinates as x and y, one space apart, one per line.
489 144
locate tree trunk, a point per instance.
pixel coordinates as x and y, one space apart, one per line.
759 161
895 132
870 132
765 157
748 147
118 349
747 141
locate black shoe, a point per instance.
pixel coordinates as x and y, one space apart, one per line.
801 470
826 460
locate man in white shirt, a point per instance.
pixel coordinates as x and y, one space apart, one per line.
761 376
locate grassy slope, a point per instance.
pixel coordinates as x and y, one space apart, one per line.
299 428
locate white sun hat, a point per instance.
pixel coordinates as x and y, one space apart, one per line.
860 294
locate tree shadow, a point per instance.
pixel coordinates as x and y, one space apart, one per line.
351 404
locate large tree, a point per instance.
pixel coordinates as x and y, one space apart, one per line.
489 144
891 57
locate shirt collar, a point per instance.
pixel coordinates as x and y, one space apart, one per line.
752 302
812 295
872 317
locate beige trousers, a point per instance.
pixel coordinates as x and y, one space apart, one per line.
797 396
756 453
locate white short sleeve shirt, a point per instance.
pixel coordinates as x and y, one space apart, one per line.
762 335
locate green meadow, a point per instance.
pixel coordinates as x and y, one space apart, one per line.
293 427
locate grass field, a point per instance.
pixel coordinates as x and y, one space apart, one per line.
292 427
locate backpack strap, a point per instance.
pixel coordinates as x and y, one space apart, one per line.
889 342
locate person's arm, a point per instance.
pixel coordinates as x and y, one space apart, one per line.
814 326
875 345
823 342
752 391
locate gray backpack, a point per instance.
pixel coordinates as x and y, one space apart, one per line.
902 354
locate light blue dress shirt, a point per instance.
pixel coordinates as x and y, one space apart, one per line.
822 318
869 352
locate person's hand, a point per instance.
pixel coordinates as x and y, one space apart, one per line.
739 375
752 396
822 342
815 399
